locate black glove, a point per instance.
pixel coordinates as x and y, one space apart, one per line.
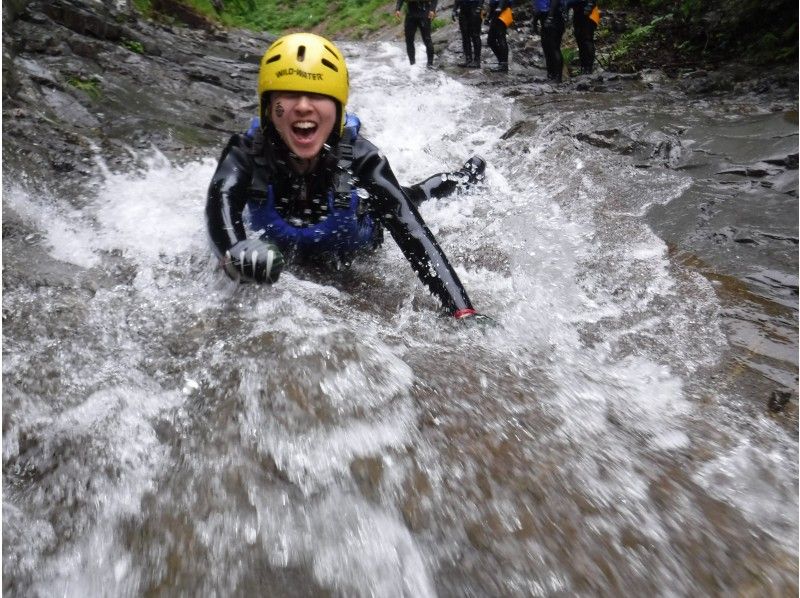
255 260
474 169
588 7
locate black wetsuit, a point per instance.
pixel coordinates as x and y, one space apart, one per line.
469 23
417 18
583 28
551 36
496 38
248 167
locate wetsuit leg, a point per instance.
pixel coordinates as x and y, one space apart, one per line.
410 32
474 27
490 37
425 31
584 29
551 46
497 40
466 39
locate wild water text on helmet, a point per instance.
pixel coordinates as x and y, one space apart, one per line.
299 73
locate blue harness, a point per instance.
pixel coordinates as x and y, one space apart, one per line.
342 231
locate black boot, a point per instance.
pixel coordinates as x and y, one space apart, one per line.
502 67
475 64
467 62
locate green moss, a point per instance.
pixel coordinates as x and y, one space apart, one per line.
438 23
89 86
133 46
144 6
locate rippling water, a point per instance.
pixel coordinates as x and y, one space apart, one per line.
166 433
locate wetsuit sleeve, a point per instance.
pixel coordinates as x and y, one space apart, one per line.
436 186
399 5
227 197
393 208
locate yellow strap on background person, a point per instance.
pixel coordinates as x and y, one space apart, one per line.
506 16
595 15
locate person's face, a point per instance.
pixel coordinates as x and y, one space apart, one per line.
303 120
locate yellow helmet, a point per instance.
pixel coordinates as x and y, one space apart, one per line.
303 62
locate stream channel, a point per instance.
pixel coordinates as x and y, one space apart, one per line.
628 429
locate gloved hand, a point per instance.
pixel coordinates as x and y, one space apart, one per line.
588 7
255 260
474 169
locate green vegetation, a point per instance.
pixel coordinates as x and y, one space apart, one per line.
353 17
568 54
694 31
144 6
629 42
671 33
438 23
133 46
87 85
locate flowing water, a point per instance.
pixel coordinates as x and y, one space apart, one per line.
168 433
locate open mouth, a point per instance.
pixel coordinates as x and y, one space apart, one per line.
304 130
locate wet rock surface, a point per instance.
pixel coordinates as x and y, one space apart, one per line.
82 79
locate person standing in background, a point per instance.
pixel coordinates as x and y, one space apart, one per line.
419 14
498 28
585 19
468 13
548 13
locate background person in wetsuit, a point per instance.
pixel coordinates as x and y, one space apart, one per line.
583 26
496 38
419 14
304 184
548 13
468 13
